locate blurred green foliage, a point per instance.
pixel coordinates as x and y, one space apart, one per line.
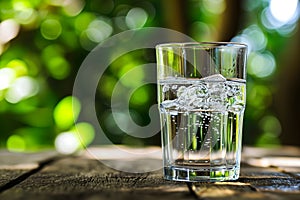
43 43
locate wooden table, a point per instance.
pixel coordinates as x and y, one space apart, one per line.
265 174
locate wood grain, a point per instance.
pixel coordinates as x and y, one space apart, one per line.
45 175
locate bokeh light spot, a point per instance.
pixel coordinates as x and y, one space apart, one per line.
53 50
128 71
26 16
270 124
74 7
22 88
57 2
136 18
261 64
120 22
281 16
85 41
9 29
260 97
283 11
51 29
15 143
19 66
58 67
66 112
7 76
98 30
85 133
140 96
242 38
67 143
254 37
271 129
202 31
19 4
83 20
110 124
214 6
268 139
107 85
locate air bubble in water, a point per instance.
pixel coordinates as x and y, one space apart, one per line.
166 88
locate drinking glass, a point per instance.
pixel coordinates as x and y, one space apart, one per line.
201 96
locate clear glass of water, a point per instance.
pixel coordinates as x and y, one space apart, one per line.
201 96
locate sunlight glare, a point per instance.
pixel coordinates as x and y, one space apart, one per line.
67 143
7 76
283 11
9 29
22 88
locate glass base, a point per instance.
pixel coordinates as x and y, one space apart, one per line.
210 174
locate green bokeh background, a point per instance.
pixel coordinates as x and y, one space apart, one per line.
44 42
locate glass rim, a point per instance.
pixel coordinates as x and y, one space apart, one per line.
201 45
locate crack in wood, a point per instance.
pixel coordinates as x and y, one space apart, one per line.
26 175
141 178
192 191
205 190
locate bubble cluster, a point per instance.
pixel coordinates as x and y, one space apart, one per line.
210 93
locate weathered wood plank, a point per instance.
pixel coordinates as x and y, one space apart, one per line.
7 175
84 177
270 179
252 184
81 178
15 165
265 174
235 192
24 160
